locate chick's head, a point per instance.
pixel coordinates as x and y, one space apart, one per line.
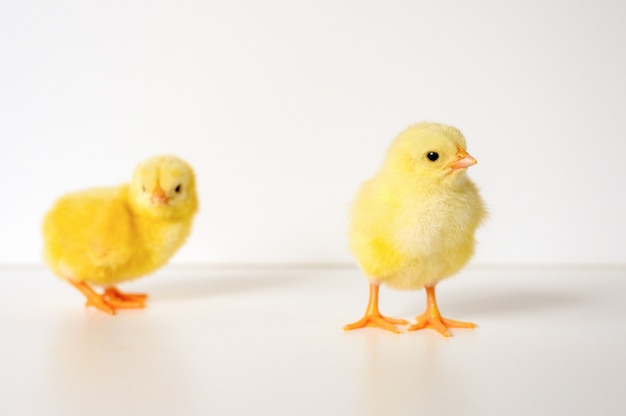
428 152
164 187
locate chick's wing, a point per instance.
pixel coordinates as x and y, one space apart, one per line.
91 229
372 231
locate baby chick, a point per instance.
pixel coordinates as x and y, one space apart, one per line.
413 223
104 236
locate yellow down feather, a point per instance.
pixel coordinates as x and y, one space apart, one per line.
104 236
413 223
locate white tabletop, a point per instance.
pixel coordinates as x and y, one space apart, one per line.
270 342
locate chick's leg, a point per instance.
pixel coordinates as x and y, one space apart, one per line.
373 317
432 318
93 299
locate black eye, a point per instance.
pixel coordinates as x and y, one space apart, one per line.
143 188
432 156
177 189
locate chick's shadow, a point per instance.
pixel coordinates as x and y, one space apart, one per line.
513 302
222 284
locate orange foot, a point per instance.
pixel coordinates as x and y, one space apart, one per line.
438 323
373 317
111 300
432 318
120 300
377 320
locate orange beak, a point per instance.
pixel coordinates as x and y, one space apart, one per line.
464 160
158 196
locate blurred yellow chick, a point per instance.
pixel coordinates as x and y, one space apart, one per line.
104 236
413 223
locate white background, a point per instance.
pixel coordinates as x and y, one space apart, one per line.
285 107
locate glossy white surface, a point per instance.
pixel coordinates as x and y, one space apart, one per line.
216 342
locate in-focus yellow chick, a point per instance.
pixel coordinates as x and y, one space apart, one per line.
413 223
104 236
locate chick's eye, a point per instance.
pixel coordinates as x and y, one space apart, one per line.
143 188
432 156
178 188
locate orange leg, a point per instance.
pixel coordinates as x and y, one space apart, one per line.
93 299
110 300
432 317
373 317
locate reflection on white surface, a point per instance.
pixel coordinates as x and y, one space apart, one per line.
270 342
126 365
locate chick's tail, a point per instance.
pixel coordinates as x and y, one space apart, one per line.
373 317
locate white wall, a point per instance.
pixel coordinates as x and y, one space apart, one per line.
284 108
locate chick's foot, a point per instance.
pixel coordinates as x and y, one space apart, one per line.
99 303
373 317
119 300
93 299
432 318
111 299
377 320
438 323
